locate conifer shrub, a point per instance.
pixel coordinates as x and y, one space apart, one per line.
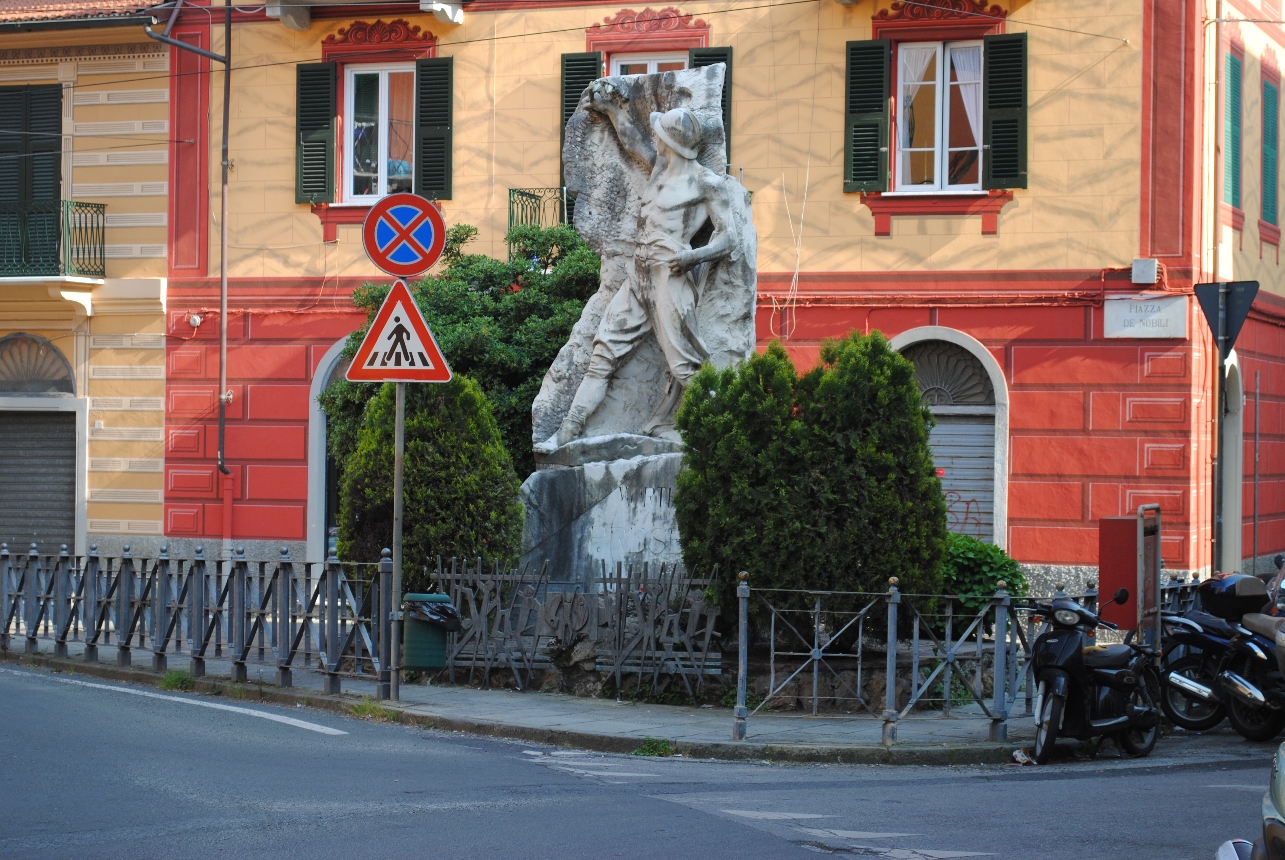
461 493
822 481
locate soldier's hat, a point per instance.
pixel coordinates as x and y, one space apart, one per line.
680 129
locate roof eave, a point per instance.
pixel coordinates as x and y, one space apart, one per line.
75 23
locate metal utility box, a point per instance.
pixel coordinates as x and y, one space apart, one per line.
1129 557
423 644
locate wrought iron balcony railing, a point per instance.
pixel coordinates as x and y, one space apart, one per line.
53 237
538 207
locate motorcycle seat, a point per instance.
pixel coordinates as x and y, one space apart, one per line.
1263 625
1107 656
1211 623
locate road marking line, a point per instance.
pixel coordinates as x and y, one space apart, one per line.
772 816
855 834
600 772
263 715
1244 787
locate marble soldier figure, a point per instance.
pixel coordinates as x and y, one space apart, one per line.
663 285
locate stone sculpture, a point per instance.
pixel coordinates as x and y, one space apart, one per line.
645 157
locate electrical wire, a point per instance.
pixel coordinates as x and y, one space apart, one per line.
493 37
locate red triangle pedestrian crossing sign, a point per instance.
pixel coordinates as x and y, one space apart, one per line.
399 347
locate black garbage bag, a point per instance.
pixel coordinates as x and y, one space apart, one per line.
441 614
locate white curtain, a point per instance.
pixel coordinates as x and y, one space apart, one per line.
968 71
914 63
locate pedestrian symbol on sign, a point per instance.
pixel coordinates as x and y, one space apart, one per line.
399 347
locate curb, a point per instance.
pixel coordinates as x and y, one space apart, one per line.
908 754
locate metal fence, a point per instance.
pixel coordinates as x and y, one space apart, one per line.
332 616
638 621
858 656
53 237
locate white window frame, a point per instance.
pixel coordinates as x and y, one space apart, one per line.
652 60
941 141
350 94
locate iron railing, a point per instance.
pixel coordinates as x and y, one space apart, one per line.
53 237
538 207
333 617
856 658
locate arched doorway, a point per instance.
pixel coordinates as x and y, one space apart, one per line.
39 463
323 490
1233 472
963 387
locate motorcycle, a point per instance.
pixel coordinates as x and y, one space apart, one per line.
1086 690
1251 674
1194 646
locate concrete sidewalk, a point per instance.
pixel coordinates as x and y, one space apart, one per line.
604 725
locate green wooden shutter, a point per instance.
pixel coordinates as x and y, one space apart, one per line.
44 125
865 129
1232 153
1271 150
699 58
434 120
13 142
1004 111
578 72
314 162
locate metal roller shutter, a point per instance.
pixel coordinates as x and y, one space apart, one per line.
963 449
38 480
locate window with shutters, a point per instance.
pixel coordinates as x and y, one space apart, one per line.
1232 130
379 131
647 64
1269 231
1271 150
30 143
939 116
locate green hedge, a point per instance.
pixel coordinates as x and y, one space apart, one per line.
823 481
461 494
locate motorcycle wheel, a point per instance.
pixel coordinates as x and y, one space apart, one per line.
1250 722
1138 741
1192 714
1050 721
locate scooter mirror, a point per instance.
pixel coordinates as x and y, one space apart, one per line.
1121 597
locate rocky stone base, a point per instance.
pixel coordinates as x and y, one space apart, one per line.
620 510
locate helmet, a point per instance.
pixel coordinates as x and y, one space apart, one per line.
680 129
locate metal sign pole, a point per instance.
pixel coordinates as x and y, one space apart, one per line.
399 458
1220 413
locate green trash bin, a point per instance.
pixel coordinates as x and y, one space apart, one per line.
423 644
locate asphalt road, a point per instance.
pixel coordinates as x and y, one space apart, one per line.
90 771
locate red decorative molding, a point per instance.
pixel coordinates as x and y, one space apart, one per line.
1269 234
332 216
628 31
189 154
1233 216
1270 68
392 41
648 21
884 207
939 10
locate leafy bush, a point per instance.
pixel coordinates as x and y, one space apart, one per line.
973 570
461 495
823 481
499 322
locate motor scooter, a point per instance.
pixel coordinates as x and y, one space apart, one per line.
1087 690
1194 646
